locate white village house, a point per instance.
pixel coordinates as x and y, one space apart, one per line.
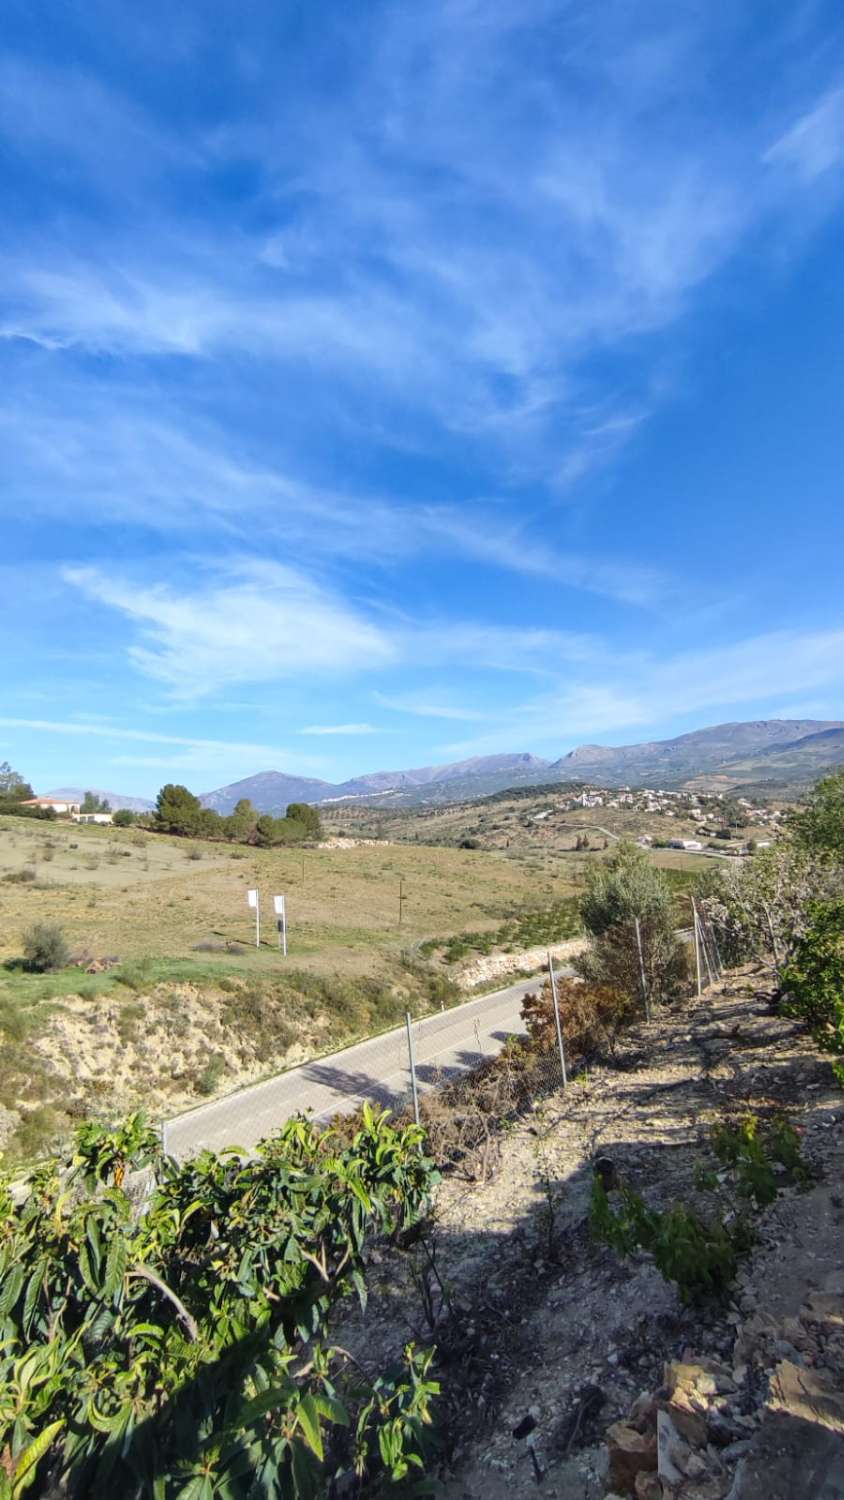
56 803
69 809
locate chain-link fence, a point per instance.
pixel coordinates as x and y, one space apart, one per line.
396 1069
425 1057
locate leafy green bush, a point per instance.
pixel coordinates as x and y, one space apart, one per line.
44 947
819 825
179 1349
760 908
813 982
755 1152
700 1257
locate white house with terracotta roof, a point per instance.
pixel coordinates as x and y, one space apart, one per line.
56 803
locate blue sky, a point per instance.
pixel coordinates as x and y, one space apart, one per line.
392 383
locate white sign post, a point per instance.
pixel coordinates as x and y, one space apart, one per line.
281 913
254 900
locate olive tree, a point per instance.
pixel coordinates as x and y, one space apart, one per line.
624 889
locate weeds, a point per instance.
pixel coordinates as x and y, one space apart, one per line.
755 1152
211 1076
700 1256
137 975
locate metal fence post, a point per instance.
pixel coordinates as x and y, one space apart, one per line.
702 942
697 947
556 1004
642 969
708 934
412 1060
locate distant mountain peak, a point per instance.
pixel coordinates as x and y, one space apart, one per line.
733 750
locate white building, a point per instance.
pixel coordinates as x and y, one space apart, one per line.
56 804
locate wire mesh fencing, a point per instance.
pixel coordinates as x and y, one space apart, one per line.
440 1066
400 1069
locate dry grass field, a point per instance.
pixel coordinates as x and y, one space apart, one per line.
190 1006
132 894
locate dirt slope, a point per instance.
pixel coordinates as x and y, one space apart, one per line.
552 1332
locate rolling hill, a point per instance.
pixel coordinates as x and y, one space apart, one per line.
272 791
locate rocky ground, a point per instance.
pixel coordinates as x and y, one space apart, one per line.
549 1338
504 966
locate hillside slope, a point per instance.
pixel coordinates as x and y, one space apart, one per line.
728 748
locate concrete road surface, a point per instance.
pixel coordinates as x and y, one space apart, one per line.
446 1044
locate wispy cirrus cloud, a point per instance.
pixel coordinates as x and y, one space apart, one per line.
343 729
254 623
136 466
464 246
625 691
421 706
815 144
251 621
72 728
327 352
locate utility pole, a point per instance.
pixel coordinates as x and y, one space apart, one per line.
303 867
402 898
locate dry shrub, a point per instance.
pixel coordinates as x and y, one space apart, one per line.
591 1017
464 1118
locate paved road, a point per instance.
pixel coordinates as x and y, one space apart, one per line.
448 1043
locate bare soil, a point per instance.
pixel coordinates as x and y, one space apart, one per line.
546 1333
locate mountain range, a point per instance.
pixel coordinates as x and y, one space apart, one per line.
115 800
782 754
